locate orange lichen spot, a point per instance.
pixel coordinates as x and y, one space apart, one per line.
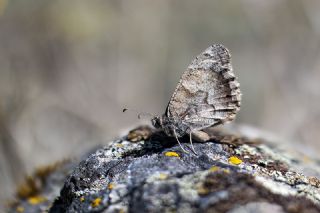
96 202
172 154
162 176
34 200
82 199
111 186
20 209
214 168
235 160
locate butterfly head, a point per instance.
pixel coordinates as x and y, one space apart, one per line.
163 123
157 122
169 126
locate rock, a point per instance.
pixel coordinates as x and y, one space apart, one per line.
258 207
38 191
230 173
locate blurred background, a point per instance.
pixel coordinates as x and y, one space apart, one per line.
68 68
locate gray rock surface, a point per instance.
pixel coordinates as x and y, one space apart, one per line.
148 172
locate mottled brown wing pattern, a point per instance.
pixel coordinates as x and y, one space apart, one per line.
208 92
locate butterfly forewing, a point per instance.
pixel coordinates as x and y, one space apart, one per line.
208 92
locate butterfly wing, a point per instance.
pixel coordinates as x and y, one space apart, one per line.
208 92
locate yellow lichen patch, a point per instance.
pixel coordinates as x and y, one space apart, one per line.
119 145
96 202
34 200
82 199
20 209
202 191
172 154
227 171
111 186
33 184
29 187
214 168
162 176
235 160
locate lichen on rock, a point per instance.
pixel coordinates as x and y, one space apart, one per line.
230 173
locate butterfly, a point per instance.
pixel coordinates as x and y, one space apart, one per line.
208 94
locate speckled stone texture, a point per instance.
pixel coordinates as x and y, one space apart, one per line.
234 172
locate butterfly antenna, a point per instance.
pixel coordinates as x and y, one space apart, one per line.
140 114
192 147
175 134
145 114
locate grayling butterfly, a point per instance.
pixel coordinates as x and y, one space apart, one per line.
207 94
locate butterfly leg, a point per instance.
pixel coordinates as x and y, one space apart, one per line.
192 147
175 134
